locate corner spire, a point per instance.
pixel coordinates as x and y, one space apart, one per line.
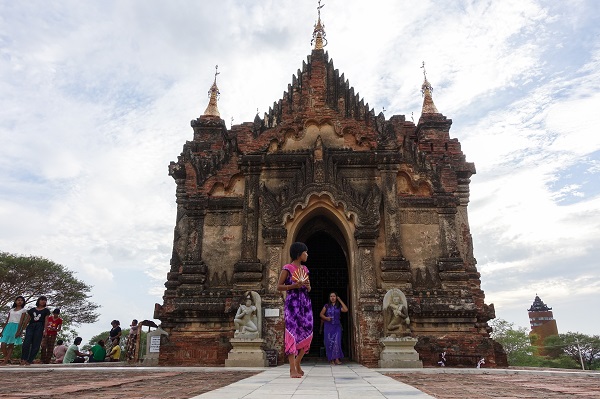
426 90
213 94
319 31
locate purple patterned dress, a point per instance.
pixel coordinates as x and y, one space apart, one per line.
332 333
298 316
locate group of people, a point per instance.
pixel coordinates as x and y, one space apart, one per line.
294 280
41 328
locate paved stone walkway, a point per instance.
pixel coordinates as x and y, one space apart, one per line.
98 382
503 383
321 381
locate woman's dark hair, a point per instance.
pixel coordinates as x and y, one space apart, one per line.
115 322
15 302
59 342
42 298
101 343
296 250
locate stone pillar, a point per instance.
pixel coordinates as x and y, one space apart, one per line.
450 265
247 272
251 196
370 323
394 267
193 270
273 321
365 240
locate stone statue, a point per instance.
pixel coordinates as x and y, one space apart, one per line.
395 309
246 319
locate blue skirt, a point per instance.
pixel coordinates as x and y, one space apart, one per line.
8 335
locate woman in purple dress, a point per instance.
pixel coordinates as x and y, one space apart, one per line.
298 309
330 314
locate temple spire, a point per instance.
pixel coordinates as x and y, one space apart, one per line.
319 31
427 89
213 94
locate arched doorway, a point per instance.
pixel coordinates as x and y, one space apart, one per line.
328 265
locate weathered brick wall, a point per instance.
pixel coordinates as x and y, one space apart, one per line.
195 348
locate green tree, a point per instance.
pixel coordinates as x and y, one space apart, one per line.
574 345
515 341
33 276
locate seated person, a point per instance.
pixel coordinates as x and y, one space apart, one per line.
97 352
59 351
115 353
73 355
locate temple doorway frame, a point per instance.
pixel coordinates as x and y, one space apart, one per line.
322 207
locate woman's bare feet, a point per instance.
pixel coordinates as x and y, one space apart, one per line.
295 374
337 361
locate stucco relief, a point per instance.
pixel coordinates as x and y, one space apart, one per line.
409 186
274 265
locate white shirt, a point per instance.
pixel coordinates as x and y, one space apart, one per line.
14 316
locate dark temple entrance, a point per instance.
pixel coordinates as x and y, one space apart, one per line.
328 272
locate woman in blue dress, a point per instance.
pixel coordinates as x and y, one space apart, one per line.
330 314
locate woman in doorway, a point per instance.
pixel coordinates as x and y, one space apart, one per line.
298 309
330 315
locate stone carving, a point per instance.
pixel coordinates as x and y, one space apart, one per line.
246 320
395 310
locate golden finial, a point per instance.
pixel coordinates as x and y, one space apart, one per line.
319 32
426 90
213 94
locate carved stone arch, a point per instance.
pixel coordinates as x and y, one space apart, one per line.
297 207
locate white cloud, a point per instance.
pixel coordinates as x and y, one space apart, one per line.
96 98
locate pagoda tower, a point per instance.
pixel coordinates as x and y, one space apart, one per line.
542 322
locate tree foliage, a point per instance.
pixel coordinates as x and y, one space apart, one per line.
515 341
33 276
572 344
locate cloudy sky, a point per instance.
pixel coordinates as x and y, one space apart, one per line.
96 99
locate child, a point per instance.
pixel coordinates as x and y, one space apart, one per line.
115 353
54 326
10 336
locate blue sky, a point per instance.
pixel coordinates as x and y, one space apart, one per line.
96 99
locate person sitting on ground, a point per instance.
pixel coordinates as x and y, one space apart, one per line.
97 352
115 353
73 355
59 351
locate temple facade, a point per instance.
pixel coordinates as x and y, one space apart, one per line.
380 202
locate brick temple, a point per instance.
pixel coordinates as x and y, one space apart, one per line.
381 204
